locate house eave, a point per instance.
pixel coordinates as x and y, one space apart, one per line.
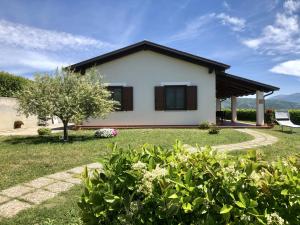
147 45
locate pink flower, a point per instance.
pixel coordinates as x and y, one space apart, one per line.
114 132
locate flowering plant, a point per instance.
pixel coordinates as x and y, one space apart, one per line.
152 185
106 133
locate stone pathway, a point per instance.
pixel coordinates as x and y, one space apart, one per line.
26 195
23 196
260 139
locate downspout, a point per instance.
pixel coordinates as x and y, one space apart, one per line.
266 95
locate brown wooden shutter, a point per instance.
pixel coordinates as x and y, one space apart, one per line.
159 98
127 104
191 94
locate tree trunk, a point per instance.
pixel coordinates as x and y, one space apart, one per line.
65 130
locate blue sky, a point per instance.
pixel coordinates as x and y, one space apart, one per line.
260 39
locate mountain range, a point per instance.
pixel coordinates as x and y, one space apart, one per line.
290 98
279 102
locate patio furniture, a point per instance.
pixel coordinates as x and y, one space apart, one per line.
283 119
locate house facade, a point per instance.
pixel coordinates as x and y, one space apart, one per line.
160 86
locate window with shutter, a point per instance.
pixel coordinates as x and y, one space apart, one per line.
191 93
127 98
159 98
175 97
117 95
123 95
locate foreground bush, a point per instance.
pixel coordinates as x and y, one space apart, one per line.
152 185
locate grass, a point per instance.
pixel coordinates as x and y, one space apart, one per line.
64 210
288 144
25 158
61 210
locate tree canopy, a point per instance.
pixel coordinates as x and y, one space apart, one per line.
70 96
10 84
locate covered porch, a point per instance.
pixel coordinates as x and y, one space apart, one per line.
231 86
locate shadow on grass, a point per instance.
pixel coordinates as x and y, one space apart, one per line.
287 131
53 139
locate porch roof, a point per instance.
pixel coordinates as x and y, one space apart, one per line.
228 85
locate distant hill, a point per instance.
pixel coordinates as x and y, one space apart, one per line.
290 98
250 103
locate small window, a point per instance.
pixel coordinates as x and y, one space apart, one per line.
116 95
175 97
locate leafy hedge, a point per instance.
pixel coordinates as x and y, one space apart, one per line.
295 115
250 115
153 185
10 84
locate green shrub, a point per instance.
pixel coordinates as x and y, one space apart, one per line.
213 129
44 131
153 185
270 116
242 114
250 115
10 84
204 125
295 115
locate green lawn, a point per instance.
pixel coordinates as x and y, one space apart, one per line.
25 158
288 144
63 208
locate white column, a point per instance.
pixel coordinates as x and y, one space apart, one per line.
218 105
233 109
260 121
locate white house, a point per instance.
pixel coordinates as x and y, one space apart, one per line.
161 86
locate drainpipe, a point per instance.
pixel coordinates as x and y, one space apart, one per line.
266 95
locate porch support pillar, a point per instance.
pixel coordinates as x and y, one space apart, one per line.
218 104
233 109
260 108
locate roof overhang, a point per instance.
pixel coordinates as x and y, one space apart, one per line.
228 85
147 45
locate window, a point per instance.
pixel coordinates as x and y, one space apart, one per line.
116 94
175 97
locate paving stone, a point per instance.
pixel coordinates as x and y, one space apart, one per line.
60 176
74 180
11 208
59 187
40 182
3 199
95 166
38 196
76 170
16 191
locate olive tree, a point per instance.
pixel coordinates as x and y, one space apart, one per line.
68 95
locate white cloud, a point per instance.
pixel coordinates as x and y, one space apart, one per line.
291 6
235 23
283 37
193 28
291 67
199 24
226 5
21 61
34 38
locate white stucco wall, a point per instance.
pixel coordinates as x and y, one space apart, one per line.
146 69
9 114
